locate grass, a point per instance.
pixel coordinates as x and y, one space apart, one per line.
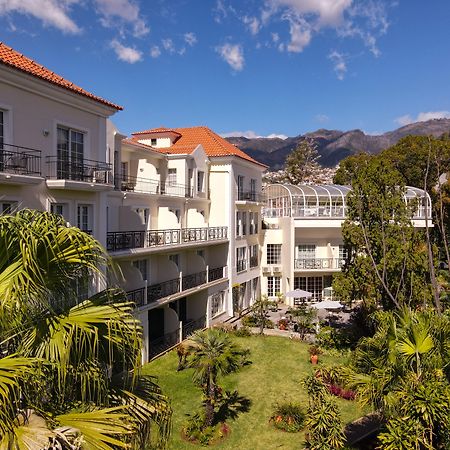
278 365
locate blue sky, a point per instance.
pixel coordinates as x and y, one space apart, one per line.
251 67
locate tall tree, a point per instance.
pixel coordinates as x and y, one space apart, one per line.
301 163
69 371
387 255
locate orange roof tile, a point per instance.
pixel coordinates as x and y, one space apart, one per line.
155 130
213 144
12 58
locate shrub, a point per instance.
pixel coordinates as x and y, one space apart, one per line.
314 350
196 431
338 391
288 417
244 331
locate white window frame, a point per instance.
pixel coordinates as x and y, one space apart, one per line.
90 210
273 286
200 181
273 254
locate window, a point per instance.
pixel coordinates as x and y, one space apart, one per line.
217 303
200 181
273 254
253 217
238 223
7 207
172 176
141 265
153 142
310 284
253 190
2 129
255 285
59 208
124 166
306 251
175 259
244 223
240 186
273 286
241 259
70 154
254 256
84 218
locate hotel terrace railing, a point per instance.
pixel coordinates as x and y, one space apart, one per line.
168 340
250 196
20 160
123 240
86 170
154 292
149 186
318 263
307 212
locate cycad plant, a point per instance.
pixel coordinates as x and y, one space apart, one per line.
68 365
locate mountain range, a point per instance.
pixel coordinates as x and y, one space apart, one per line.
334 145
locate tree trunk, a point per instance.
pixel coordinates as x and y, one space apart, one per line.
209 405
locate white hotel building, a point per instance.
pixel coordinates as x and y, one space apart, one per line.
179 210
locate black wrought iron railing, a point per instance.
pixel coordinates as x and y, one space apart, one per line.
170 287
192 326
193 280
318 263
250 196
87 170
122 240
20 160
163 343
148 186
216 274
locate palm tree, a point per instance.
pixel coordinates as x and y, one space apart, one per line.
213 354
69 366
403 372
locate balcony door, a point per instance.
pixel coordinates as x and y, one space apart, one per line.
70 155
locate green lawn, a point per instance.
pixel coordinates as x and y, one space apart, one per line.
278 365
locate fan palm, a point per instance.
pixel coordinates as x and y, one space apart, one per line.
212 354
84 387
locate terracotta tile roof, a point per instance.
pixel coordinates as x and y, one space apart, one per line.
213 144
12 58
155 130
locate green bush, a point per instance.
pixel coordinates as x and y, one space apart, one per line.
243 332
288 417
195 430
253 322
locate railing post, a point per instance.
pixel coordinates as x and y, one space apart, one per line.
180 336
181 282
207 273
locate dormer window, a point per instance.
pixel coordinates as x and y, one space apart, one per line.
153 142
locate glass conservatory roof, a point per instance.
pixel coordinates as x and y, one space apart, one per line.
325 200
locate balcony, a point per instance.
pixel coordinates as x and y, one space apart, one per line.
319 264
86 174
19 165
124 240
147 295
155 187
250 196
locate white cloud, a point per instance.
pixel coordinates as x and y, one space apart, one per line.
364 19
124 10
233 55
126 54
253 24
250 134
168 45
221 10
322 118
155 51
51 12
275 37
422 117
339 63
190 38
